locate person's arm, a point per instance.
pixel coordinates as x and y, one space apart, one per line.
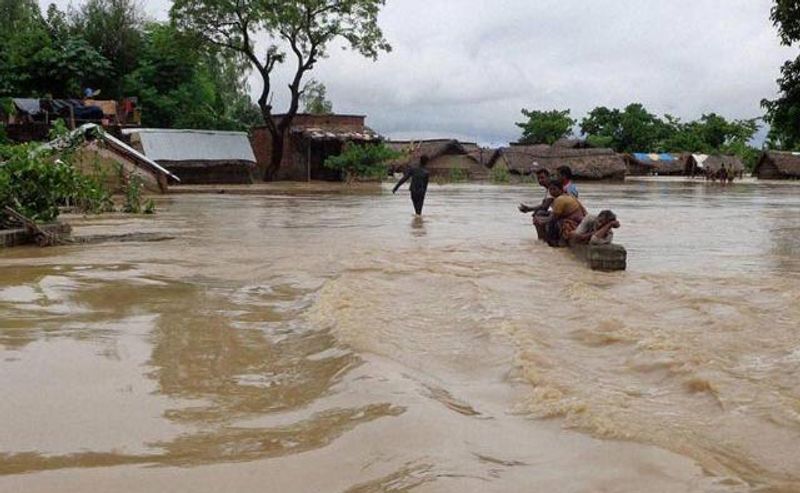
603 230
545 205
404 179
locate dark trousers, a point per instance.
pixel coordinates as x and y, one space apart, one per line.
418 198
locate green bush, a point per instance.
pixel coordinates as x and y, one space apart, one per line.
458 175
500 174
362 161
37 184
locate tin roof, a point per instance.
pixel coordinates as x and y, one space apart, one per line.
194 145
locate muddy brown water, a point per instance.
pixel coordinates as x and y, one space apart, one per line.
334 343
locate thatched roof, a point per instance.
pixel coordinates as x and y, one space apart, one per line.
715 163
593 164
572 143
659 163
414 150
787 163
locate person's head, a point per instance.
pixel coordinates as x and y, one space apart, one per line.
555 187
423 161
604 218
543 177
564 172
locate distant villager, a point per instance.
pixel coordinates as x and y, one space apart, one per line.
419 177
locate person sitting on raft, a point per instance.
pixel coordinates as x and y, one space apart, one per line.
567 214
541 210
543 178
565 175
596 230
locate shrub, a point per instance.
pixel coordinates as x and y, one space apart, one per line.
362 161
37 184
500 174
458 175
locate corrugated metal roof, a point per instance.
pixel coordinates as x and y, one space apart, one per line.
28 105
194 145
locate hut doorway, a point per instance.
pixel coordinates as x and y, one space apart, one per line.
315 154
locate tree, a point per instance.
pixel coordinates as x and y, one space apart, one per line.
633 129
315 100
362 161
783 113
545 127
115 28
306 27
181 86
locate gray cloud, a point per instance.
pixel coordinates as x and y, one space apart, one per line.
465 68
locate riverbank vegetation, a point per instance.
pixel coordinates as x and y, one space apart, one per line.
635 129
40 181
111 46
362 161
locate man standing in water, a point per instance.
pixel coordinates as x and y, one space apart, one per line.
419 183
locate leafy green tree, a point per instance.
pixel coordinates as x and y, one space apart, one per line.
633 129
783 113
62 70
363 161
182 84
545 127
306 27
315 98
115 29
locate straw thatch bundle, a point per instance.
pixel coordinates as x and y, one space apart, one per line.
590 164
445 156
778 165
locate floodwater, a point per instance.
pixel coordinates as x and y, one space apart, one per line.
334 343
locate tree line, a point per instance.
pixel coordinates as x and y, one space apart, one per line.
111 46
635 129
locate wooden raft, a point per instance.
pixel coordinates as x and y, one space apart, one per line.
606 258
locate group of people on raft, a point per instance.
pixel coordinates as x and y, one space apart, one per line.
561 219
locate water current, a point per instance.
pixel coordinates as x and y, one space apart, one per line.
333 342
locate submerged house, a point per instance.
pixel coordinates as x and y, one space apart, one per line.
198 156
309 142
776 165
643 164
448 158
716 162
587 164
113 162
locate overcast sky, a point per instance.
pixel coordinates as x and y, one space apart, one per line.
465 68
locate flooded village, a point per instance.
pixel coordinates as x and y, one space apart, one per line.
219 274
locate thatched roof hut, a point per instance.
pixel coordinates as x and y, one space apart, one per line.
731 163
588 164
640 164
572 143
448 158
198 156
775 165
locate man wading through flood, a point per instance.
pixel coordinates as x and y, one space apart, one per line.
419 183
